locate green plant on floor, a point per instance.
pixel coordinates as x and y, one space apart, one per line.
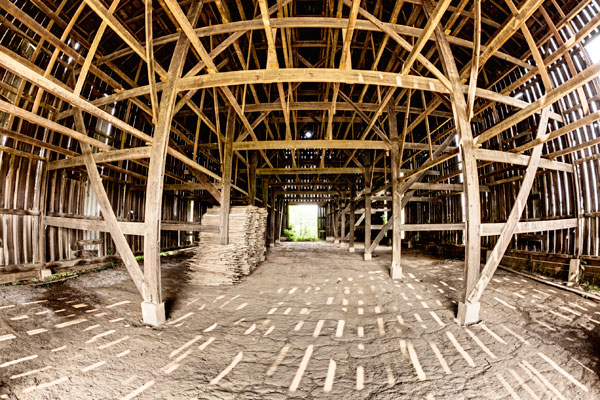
301 234
384 221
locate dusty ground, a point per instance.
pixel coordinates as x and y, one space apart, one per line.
313 321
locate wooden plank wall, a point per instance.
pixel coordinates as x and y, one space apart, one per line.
28 190
553 194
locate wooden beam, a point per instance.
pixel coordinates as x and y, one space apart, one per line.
252 178
433 20
520 159
311 144
470 175
23 71
493 229
474 295
396 221
108 213
368 179
227 168
150 58
351 219
154 191
475 59
407 46
210 66
109 156
550 97
509 28
259 76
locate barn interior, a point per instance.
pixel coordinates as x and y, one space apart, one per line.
214 199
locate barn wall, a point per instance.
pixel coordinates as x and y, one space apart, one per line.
554 194
28 191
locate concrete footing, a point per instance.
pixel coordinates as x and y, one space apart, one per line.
351 249
468 313
396 271
45 274
574 266
344 244
336 241
367 256
153 314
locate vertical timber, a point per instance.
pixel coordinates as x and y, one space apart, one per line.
227 167
351 218
368 187
468 312
396 160
153 308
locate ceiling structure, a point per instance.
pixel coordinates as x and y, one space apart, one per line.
335 101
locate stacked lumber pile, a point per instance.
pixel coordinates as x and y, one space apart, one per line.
217 264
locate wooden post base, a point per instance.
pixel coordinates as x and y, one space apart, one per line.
153 314
45 274
468 313
396 271
574 265
367 256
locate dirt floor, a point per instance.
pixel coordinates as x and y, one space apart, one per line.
313 321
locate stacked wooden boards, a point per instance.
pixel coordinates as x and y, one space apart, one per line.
217 264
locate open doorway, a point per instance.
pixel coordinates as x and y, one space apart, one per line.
302 223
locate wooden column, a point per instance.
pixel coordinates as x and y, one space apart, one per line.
265 193
352 218
252 178
342 222
279 220
227 167
368 187
265 203
336 239
153 308
468 312
396 161
273 219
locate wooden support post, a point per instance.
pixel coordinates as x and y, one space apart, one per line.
574 267
352 218
342 222
280 220
252 178
227 167
396 160
273 218
265 192
153 308
329 221
107 211
265 204
367 214
468 312
513 218
335 215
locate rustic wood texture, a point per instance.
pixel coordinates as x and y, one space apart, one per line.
428 110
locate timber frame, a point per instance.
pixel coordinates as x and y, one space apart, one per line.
458 121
